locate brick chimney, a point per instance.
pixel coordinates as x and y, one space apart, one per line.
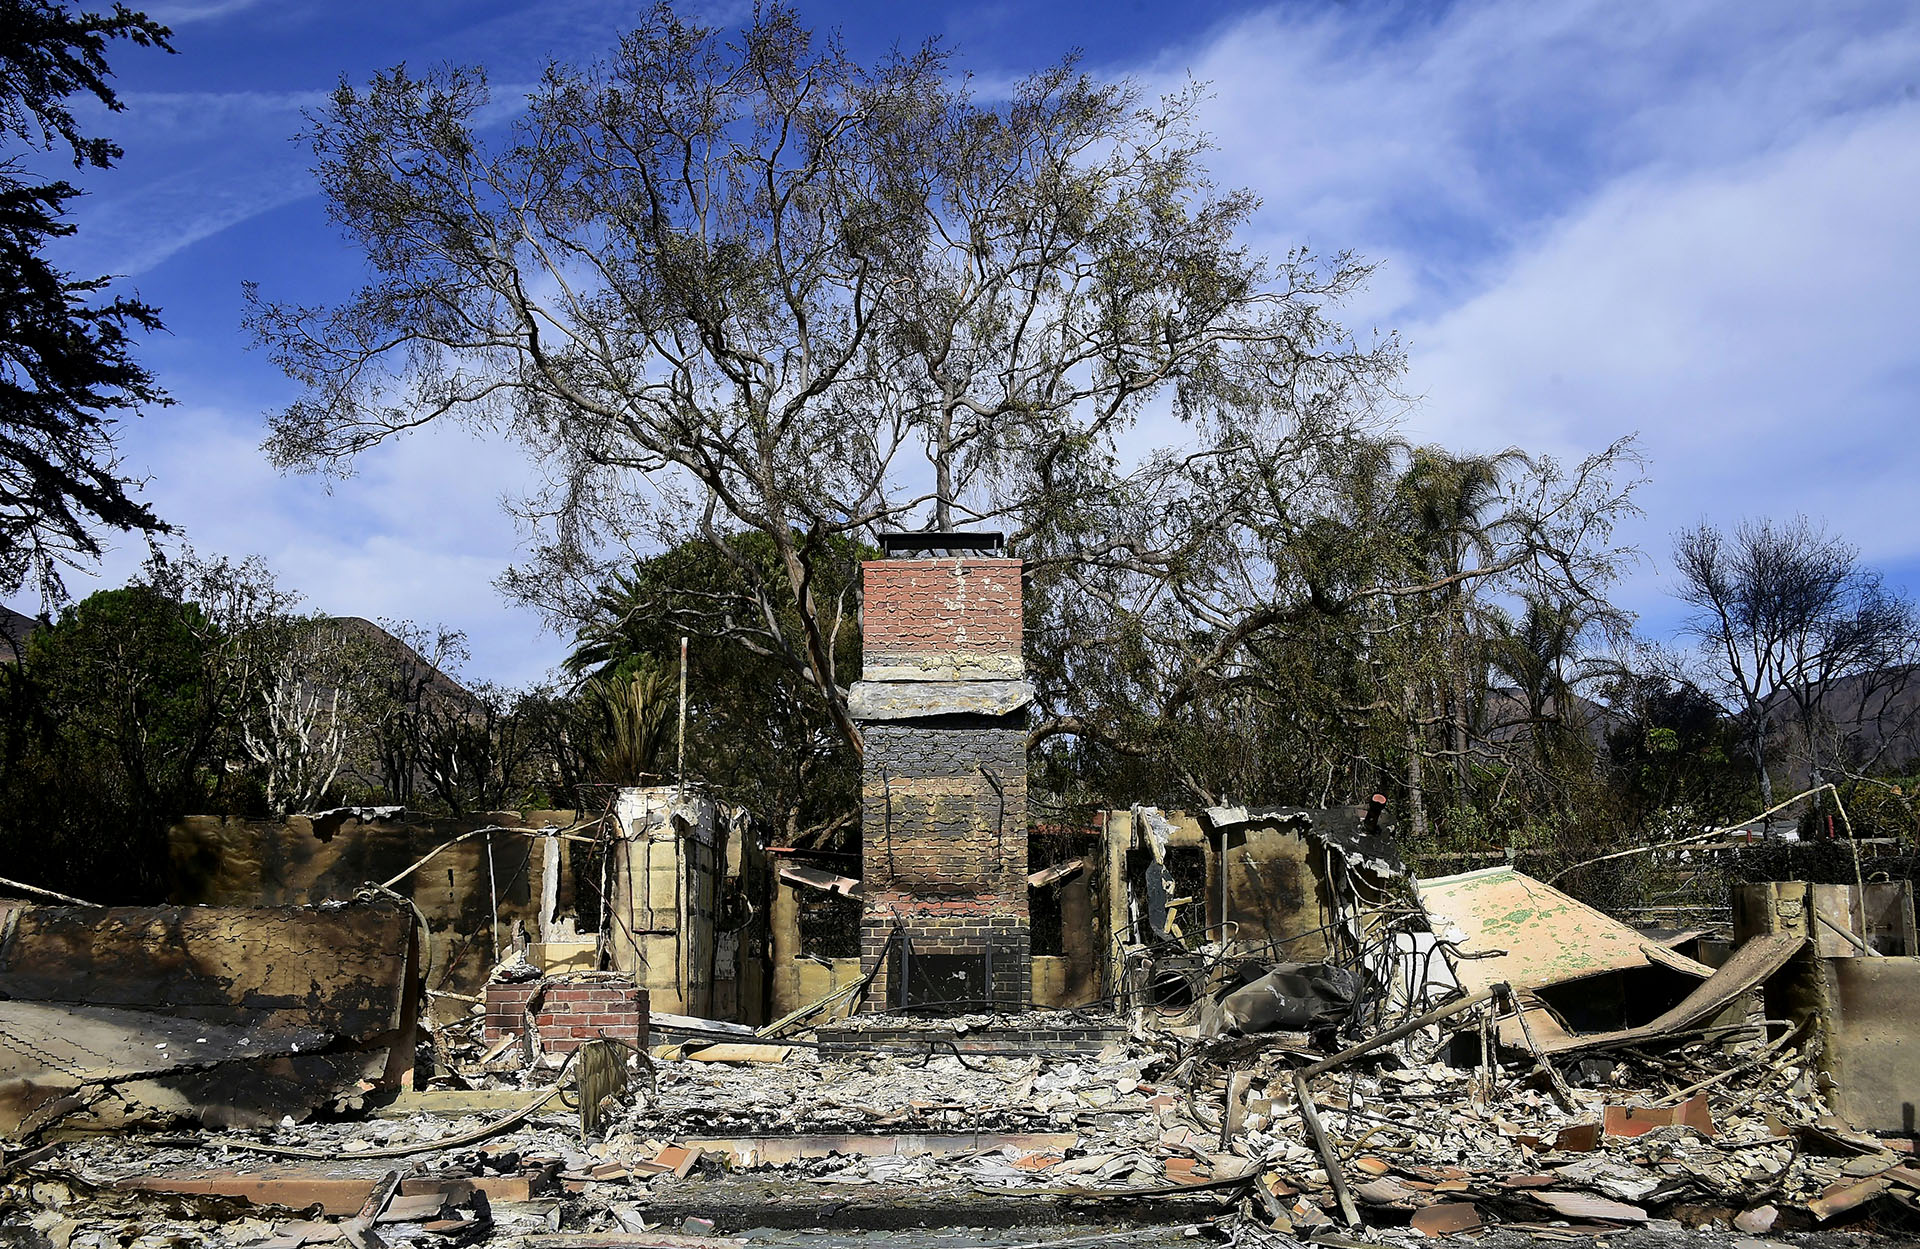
944 814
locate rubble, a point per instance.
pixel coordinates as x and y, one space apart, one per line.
1424 1147
1363 1117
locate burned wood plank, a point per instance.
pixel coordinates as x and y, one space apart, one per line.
1310 1115
358 1230
287 1187
1055 874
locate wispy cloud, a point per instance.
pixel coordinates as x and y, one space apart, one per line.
1689 220
184 12
128 236
197 163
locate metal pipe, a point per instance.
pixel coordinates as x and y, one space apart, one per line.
682 767
493 893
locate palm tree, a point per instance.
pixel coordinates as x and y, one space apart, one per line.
1446 499
630 724
1544 657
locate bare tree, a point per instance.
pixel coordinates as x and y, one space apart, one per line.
312 707
476 753
412 701
729 282
1784 613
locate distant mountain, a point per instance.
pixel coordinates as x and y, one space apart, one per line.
438 683
15 629
1505 712
1875 716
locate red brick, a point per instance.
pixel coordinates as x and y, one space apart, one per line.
914 607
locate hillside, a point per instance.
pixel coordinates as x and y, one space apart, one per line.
1875 715
15 628
438 685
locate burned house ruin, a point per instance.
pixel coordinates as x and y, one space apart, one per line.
1136 1004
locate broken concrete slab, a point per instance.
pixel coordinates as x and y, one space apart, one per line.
1587 1206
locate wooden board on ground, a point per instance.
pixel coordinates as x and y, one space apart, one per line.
733 1052
454 1103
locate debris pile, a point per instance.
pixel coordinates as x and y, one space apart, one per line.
1495 1058
1723 1130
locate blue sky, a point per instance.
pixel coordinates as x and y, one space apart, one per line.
1693 219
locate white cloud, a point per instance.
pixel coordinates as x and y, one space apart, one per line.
1754 323
128 235
1690 219
1440 139
418 534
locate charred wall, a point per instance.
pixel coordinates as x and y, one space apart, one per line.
217 861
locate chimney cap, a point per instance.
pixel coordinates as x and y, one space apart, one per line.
936 541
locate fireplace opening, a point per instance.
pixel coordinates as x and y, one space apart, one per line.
958 982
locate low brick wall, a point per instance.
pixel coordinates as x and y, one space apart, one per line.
567 1012
846 1042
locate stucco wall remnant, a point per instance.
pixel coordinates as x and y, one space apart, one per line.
216 861
232 1016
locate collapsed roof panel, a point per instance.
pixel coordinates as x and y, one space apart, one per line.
1749 967
1505 926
